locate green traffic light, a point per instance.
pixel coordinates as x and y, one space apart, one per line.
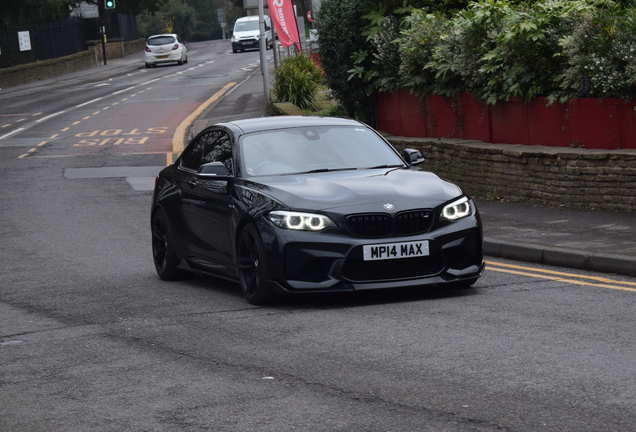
110 4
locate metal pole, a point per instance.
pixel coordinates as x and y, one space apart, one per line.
275 47
263 46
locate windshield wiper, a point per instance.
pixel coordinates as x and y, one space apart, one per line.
385 166
321 170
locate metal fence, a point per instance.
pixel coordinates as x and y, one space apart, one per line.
58 39
47 41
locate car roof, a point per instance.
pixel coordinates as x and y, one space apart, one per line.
283 122
249 18
160 35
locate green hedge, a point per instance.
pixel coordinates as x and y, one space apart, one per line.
496 49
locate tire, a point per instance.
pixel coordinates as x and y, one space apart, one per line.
147 65
163 253
234 50
253 273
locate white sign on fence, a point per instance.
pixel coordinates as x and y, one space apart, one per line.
24 39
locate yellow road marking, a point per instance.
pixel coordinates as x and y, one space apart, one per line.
96 112
116 103
595 278
42 143
65 129
7 125
36 114
87 117
53 136
23 156
21 120
32 150
558 279
179 135
77 122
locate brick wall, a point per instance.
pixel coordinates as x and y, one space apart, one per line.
581 177
116 49
134 46
23 74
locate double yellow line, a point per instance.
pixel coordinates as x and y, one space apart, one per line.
572 278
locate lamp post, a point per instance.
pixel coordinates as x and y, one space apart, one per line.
263 47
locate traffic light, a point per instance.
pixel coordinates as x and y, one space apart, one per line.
109 4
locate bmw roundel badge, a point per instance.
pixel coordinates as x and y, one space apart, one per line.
389 206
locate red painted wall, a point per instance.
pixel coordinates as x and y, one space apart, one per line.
589 123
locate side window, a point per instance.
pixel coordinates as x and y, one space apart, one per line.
218 148
191 158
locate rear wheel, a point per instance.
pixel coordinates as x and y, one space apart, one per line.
163 253
253 267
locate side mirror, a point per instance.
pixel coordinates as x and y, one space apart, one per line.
412 157
267 28
213 169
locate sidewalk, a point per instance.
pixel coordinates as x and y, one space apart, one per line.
569 237
115 67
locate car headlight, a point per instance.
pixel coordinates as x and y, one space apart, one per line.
300 221
457 210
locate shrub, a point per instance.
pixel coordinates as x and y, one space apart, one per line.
296 81
340 32
600 54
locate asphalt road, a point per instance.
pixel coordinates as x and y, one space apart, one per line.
92 340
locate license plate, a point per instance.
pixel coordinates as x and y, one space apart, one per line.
396 250
247 43
163 57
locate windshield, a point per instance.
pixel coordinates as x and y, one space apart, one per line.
241 26
314 149
163 40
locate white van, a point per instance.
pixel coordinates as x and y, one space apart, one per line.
246 33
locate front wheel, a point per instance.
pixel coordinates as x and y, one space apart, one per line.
253 272
163 253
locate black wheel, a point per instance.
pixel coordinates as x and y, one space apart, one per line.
163 253
147 66
253 267
234 50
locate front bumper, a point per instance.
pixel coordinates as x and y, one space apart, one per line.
301 261
245 44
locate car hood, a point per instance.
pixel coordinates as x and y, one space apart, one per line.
364 190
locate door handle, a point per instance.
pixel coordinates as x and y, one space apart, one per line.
192 183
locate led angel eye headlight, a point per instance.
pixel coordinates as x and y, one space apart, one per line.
457 210
300 221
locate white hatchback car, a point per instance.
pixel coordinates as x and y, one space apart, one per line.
165 48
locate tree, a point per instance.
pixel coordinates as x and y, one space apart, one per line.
340 31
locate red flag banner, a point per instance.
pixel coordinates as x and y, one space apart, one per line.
282 14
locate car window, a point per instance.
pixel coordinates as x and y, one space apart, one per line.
294 150
162 40
218 148
242 26
191 158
